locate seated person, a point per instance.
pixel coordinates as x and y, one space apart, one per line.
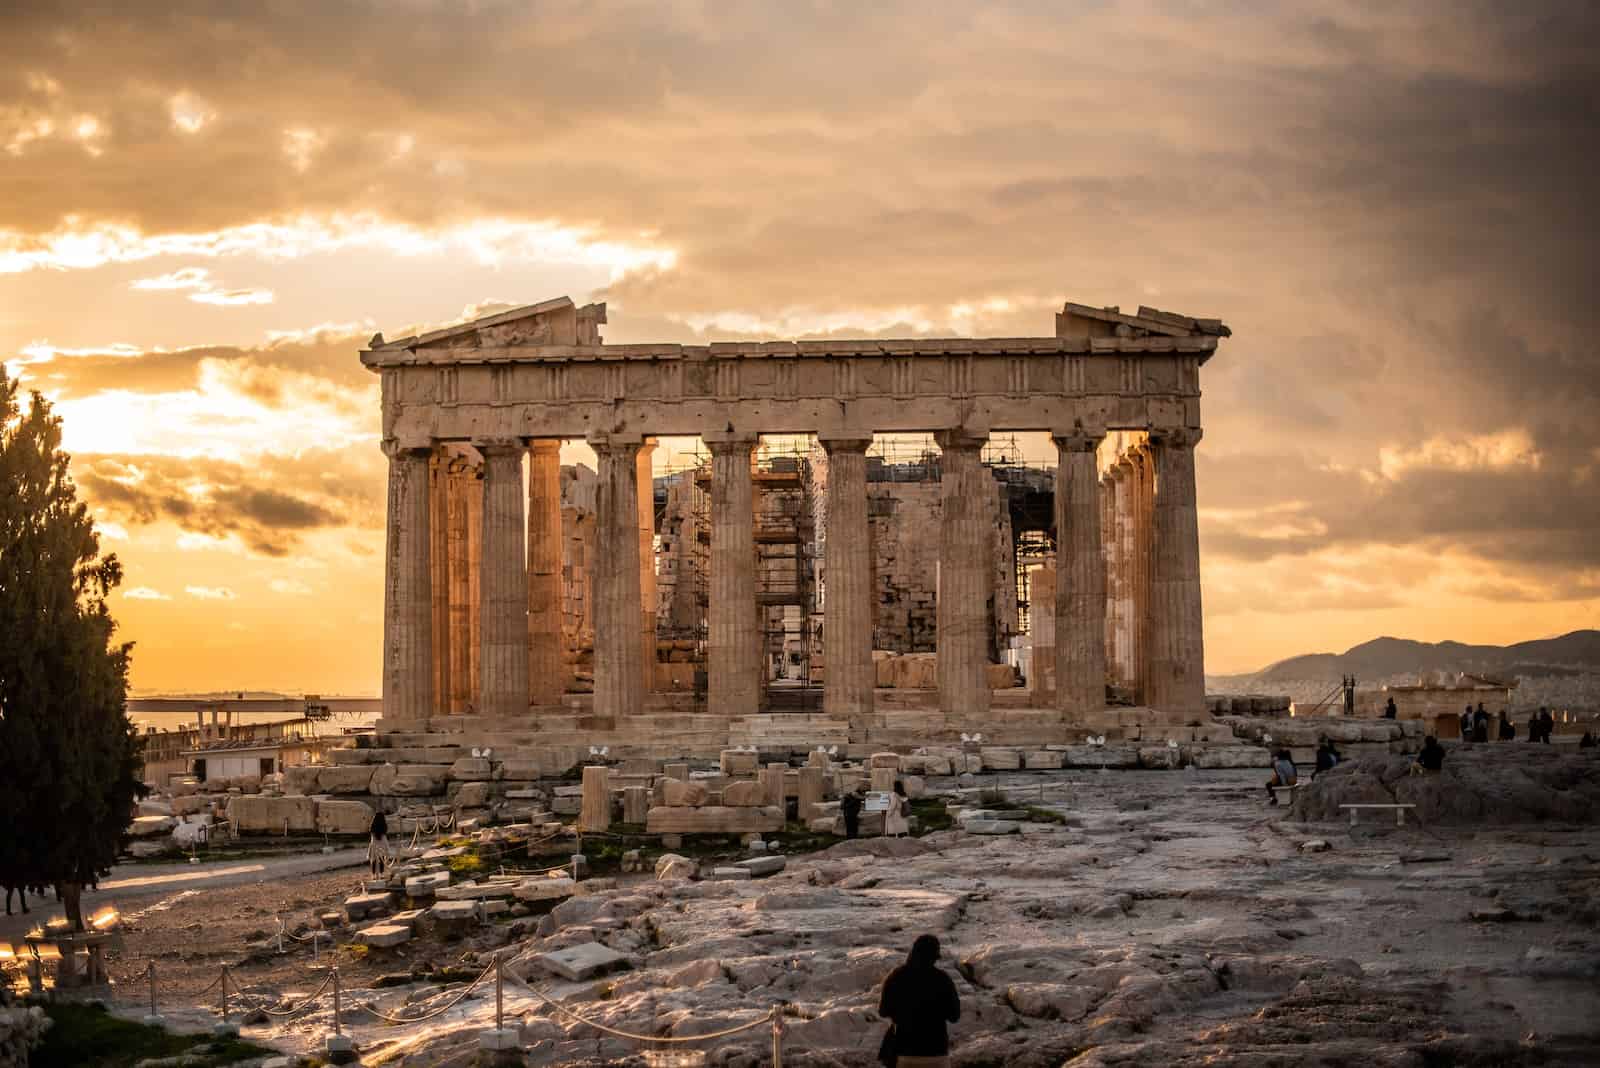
1283 773
1432 756
1327 757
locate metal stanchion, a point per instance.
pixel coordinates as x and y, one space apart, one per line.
338 1046
777 1037
338 1026
226 1027
154 1019
499 1040
499 997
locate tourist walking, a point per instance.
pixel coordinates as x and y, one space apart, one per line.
1283 774
919 1000
1389 710
1508 730
1533 726
378 845
1547 725
1466 725
850 808
897 820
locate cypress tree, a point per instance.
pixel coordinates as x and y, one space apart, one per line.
69 758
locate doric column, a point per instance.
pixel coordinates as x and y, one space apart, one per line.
1107 497
439 575
1140 630
503 658
964 578
1080 579
614 569
647 562
407 590
1121 573
848 672
461 481
547 672
475 586
733 669
1176 683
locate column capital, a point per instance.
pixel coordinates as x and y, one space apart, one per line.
728 440
1079 438
616 442
1180 437
844 441
544 445
498 446
960 438
396 449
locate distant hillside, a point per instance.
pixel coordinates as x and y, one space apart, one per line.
1385 658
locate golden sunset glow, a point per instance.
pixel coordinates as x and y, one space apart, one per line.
1393 210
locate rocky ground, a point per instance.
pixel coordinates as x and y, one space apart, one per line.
1173 919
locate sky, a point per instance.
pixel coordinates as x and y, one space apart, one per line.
206 209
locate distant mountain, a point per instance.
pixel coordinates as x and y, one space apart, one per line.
1384 658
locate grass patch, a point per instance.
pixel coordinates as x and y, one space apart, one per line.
467 866
931 815
1043 815
87 1036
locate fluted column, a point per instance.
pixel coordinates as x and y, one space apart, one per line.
461 480
1080 580
475 587
439 575
1106 497
964 578
647 562
615 578
848 672
1140 630
547 672
407 590
733 669
1121 573
503 658
1177 684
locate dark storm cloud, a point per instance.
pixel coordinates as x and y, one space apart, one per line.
319 489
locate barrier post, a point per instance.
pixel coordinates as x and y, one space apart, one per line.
154 1019
338 1046
338 1027
499 997
225 1029
777 1036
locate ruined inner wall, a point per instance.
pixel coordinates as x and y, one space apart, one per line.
901 516
683 557
578 489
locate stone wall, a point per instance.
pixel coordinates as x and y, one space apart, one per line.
578 486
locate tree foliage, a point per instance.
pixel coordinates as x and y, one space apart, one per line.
69 758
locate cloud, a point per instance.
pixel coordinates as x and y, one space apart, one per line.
211 593
291 587
202 289
145 593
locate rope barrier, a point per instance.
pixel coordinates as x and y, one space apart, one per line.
286 1013
431 1013
768 1017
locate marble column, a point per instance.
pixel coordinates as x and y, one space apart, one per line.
965 576
461 480
503 658
1107 497
475 586
1140 629
1121 574
1080 580
439 574
1176 682
734 654
615 579
547 671
848 674
647 562
407 590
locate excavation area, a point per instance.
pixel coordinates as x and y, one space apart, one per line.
1134 918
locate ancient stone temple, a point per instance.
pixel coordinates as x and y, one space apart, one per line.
480 575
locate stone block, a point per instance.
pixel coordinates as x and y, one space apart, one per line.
192 805
594 812
495 906
473 795
1000 676
744 794
676 792
345 779
762 866
1038 759
472 769
454 912
152 826
998 759
546 889
635 804
254 813
409 918
581 962
384 935
671 866
566 806
343 817
1230 756
739 762
425 885
301 781
709 819
882 779
884 760
409 780
992 827
1101 756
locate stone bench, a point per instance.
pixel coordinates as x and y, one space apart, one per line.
1399 812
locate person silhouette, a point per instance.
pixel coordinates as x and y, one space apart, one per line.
919 1000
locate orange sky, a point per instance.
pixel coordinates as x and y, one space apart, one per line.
203 216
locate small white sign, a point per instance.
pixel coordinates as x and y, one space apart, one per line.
877 801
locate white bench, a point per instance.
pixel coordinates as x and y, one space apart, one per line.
1399 812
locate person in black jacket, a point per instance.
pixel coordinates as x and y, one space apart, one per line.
920 1000
850 806
378 847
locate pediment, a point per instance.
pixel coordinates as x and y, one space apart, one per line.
551 322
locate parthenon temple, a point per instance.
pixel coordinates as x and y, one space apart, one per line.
798 557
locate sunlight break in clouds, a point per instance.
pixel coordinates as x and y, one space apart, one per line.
202 289
145 593
291 587
82 246
211 593
1485 452
189 113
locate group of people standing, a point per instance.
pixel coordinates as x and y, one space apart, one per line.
1475 725
896 818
